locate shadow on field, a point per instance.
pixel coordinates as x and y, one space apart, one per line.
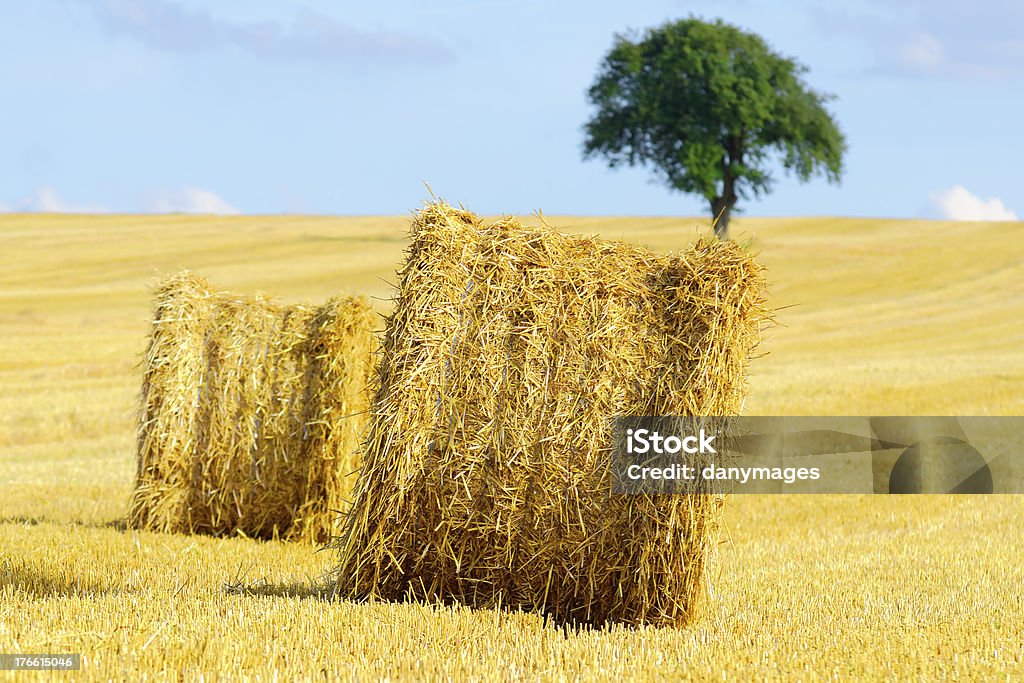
314 590
323 589
40 583
21 520
115 524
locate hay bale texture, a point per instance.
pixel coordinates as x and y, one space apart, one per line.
251 413
486 470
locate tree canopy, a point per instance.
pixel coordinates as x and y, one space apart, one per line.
708 106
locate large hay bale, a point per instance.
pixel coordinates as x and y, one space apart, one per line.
251 413
486 470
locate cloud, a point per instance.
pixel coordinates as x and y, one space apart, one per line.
46 200
958 204
309 36
191 200
188 200
923 52
953 39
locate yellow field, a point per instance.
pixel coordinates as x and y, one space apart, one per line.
877 317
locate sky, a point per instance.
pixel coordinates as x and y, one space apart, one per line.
317 107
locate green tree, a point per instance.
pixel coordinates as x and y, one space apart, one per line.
708 107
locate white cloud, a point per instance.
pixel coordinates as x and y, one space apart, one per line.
922 52
958 204
46 200
948 39
172 26
191 200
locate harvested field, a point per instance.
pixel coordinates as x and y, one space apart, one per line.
876 317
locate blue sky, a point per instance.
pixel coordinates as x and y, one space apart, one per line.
347 108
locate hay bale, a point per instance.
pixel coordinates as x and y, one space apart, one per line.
251 413
486 470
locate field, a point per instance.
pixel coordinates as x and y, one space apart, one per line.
876 317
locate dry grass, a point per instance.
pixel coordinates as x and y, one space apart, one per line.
810 588
487 475
890 317
251 413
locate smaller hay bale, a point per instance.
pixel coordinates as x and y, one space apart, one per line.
251 413
486 475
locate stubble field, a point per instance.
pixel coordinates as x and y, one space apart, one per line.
875 317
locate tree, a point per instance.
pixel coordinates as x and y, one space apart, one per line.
706 105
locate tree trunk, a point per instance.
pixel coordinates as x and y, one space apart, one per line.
721 208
